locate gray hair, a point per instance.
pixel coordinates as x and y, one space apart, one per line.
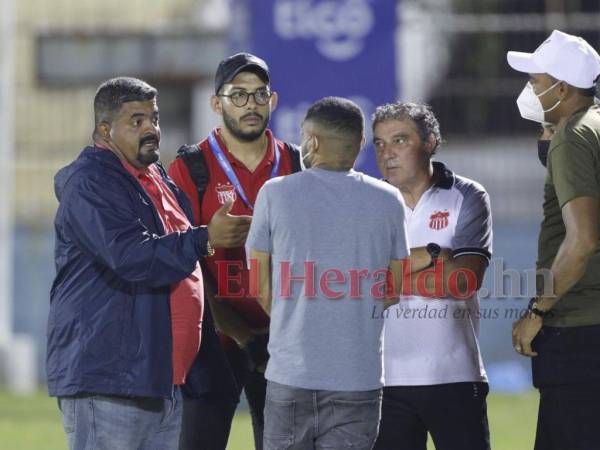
421 114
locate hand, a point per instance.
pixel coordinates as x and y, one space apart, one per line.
445 254
227 231
524 330
260 331
390 301
256 353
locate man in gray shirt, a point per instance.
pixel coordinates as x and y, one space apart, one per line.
322 242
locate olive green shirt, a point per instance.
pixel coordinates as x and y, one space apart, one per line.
573 171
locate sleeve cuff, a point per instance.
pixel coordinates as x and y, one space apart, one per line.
201 238
472 251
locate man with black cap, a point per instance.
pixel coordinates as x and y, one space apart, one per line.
561 331
228 168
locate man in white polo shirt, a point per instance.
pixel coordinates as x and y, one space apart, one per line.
434 376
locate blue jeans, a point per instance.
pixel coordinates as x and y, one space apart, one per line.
98 422
303 419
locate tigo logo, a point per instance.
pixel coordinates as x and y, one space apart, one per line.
338 27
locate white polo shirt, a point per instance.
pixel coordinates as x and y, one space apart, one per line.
435 341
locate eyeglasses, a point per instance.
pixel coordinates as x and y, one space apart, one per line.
240 98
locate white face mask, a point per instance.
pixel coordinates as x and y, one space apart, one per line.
306 153
306 158
530 106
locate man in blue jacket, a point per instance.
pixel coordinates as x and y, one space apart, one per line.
126 311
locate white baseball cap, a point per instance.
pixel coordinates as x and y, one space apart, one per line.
565 57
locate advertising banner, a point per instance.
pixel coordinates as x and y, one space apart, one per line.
319 48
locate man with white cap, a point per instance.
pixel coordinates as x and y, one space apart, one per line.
561 330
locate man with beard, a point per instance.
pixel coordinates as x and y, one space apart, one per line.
314 236
126 304
232 164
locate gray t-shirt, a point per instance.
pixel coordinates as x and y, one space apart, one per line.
349 225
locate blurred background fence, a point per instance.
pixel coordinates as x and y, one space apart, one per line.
449 53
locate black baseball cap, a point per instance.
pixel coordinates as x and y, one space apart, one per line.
240 62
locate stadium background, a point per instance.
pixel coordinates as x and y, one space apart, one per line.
449 53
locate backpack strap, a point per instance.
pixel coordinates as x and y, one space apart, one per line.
196 163
295 157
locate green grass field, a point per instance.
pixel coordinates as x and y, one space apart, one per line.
33 423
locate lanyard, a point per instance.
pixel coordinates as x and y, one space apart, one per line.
226 166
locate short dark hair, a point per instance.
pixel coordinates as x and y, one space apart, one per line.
421 114
339 115
584 92
587 92
593 91
111 95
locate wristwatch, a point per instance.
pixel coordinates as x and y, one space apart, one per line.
533 309
434 251
210 251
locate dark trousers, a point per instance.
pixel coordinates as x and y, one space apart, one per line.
567 374
455 415
207 421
